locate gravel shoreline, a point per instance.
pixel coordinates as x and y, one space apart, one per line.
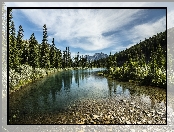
103 111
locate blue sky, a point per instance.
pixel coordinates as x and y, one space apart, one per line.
91 31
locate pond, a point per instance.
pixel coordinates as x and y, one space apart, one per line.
83 97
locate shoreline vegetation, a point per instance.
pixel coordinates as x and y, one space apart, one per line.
141 76
26 75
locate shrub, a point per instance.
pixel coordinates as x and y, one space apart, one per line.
25 74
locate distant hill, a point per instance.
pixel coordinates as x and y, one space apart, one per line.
96 56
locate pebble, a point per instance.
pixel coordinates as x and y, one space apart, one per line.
109 112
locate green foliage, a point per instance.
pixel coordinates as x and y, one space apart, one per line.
52 55
44 54
20 45
144 63
13 55
25 74
66 60
58 61
33 52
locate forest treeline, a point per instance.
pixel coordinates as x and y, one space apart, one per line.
144 62
29 60
44 55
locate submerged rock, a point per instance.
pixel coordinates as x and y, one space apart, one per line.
105 111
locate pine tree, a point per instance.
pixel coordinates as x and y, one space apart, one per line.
161 59
20 45
33 52
64 59
39 55
68 57
59 59
52 54
80 62
109 61
44 56
114 60
13 55
25 53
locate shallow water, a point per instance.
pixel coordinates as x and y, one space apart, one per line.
57 92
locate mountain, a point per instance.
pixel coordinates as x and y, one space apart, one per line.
96 56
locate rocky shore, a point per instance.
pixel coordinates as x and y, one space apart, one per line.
104 111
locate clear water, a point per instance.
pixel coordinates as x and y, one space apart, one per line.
56 92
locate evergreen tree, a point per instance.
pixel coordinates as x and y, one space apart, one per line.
69 61
109 61
114 60
25 53
52 55
77 59
80 62
39 55
20 45
13 55
59 59
64 59
33 52
161 59
44 54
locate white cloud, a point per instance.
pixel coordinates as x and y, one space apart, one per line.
89 25
140 32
